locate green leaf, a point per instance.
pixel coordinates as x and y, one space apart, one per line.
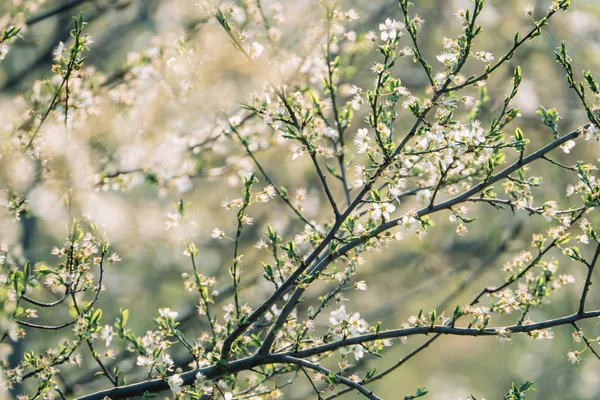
148 395
332 379
96 316
124 316
370 374
457 312
591 82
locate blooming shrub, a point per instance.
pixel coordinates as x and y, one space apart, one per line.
373 168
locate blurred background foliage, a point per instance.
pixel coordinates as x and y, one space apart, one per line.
402 280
